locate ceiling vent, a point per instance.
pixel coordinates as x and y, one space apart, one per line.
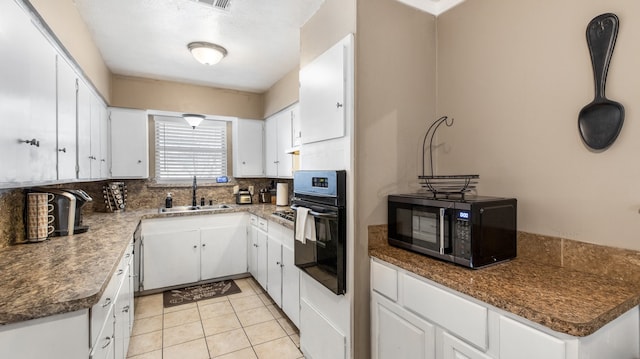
223 5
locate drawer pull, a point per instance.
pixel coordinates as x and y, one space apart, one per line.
120 271
107 302
125 309
108 339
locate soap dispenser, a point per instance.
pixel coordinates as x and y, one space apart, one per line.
168 202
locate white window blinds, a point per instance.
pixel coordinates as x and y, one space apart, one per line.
183 152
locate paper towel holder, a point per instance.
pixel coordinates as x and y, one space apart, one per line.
282 194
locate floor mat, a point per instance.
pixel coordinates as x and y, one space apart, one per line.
194 293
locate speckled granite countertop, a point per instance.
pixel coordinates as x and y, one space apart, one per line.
564 300
66 274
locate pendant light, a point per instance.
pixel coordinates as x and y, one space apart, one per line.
207 53
192 119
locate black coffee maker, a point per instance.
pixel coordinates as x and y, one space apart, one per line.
67 211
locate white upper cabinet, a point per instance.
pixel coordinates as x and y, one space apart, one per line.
104 141
248 148
92 133
322 94
27 100
296 132
84 131
278 141
67 82
129 143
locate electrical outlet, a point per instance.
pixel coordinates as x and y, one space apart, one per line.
251 190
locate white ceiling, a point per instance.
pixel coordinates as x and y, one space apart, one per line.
148 38
434 7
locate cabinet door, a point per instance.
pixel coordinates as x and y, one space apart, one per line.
67 82
262 259
285 161
396 333
274 270
16 32
296 132
271 146
519 341
248 148
104 141
42 122
252 250
27 99
290 286
84 131
170 259
129 143
95 137
223 251
454 348
121 314
322 95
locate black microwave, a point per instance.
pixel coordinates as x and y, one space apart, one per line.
471 231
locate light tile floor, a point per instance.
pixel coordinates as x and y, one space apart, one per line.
247 325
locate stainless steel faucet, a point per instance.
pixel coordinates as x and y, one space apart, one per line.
195 186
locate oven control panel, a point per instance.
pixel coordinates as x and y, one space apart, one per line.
322 182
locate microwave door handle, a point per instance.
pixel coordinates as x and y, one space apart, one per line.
442 230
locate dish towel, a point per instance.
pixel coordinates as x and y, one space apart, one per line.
305 225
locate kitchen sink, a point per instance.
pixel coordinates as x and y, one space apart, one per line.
175 209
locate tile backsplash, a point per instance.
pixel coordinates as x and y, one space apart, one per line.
141 194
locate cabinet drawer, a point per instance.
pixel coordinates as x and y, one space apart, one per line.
384 280
253 220
459 316
263 224
519 341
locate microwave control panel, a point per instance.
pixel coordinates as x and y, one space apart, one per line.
462 234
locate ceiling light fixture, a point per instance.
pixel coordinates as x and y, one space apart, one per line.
192 119
207 53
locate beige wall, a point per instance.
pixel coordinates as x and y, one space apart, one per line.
135 92
515 75
285 92
331 23
65 21
396 94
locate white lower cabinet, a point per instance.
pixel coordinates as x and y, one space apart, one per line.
454 348
399 334
406 309
271 263
220 254
520 341
257 249
290 286
170 258
182 250
274 269
112 317
62 336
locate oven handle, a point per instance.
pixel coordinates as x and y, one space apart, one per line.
318 214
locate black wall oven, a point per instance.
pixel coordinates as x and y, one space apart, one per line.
322 194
